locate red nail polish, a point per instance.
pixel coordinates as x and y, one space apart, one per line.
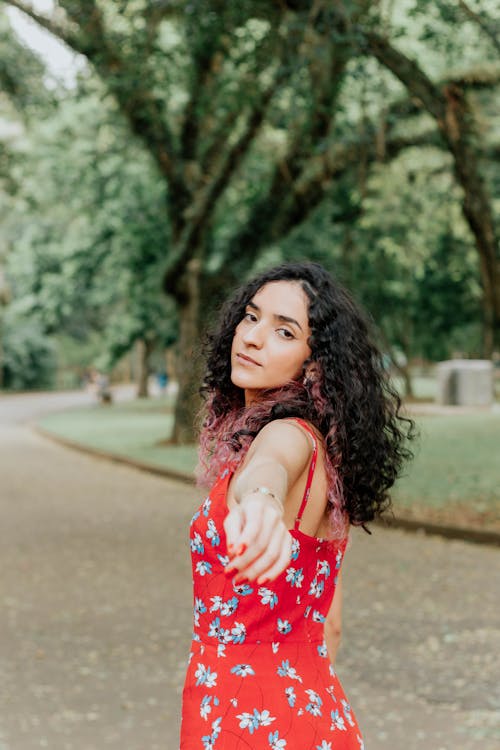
241 549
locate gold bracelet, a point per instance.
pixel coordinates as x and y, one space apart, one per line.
267 491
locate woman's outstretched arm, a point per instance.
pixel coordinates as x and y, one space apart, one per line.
257 524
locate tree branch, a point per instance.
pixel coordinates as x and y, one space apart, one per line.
203 208
60 30
454 118
282 207
489 30
269 221
136 100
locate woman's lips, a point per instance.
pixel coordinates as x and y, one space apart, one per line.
244 358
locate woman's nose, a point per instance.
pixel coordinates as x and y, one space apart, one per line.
253 336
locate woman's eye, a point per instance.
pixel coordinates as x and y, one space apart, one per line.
285 333
249 316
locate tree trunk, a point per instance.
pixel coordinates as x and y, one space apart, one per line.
1 353
144 349
189 362
408 384
455 119
491 317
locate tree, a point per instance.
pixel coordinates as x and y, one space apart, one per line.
89 252
27 355
254 87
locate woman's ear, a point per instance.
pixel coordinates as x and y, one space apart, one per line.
311 372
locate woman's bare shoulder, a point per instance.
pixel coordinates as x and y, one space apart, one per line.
280 439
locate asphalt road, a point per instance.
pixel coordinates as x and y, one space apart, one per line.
95 612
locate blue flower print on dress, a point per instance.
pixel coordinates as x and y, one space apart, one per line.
205 705
275 743
295 577
347 712
242 670
194 518
205 508
242 589
199 609
255 720
223 559
322 650
205 676
323 568
285 670
225 608
284 626
203 567
229 608
318 617
209 740
338 560
196 544
216 631
324 745
315 703
295 548
199 605
216 602
212 533
316 588
268 597
337 721
290 696
238 633
361 743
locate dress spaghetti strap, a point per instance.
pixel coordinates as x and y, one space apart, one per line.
310 475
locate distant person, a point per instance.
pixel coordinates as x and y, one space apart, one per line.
102 388
302 438
162 381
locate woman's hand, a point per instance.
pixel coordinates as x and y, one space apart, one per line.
259 544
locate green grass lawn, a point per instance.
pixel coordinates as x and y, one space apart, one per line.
137 429
455 476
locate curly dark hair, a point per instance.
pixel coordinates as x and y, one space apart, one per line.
351 400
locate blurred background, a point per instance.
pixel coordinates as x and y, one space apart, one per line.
154 154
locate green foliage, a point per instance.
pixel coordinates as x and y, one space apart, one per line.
90 232
239 134
21 73
28 354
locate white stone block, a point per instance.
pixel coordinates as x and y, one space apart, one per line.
465 382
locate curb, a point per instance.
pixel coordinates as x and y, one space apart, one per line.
476 536
118 458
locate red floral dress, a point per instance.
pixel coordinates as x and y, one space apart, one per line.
259 676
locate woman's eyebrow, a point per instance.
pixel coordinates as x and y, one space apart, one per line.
286 319
283 318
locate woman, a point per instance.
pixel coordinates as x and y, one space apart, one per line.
302 437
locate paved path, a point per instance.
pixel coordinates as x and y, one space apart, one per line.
95 614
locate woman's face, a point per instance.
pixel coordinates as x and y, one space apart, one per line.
270 343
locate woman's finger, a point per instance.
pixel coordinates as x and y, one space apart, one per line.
257 528
281 563
233 523
270 554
